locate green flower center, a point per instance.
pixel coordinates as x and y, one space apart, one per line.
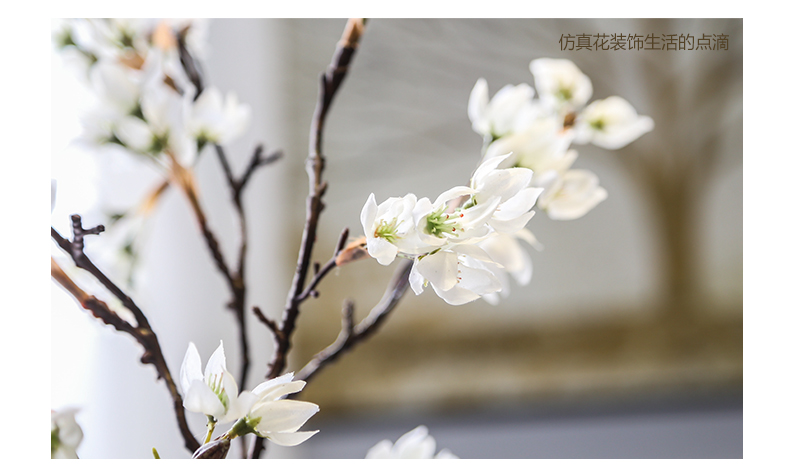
216 385
387 230
439 223
564 94
598 124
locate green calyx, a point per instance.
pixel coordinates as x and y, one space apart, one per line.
243 426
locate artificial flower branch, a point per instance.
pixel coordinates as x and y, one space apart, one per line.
351 333
329 85
236 280
142 332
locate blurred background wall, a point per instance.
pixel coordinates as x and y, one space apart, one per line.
626 343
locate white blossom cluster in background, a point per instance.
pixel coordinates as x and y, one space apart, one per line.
262 411
145 107
466 242
146 102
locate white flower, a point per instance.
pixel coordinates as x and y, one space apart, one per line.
162 127
414 444
572 195
611 123
437 227
66 434
458 275
510 186
509 110
389 228
280 419
117 86
211 120
541 147
214 393
561 85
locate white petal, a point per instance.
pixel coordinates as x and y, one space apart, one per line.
383 251
239 407
134 133
264 388
281 390
368 216
381 450
200 398
290 439
190 368
285 415
440 269
415 444
456 296
445 454
478 101
416 281
216 363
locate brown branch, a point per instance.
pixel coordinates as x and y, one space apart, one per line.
351 334
330 84
143 333
236 280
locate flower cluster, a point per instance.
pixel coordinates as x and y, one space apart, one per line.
539 131
146 102
465 243
444 236
262 411
416 444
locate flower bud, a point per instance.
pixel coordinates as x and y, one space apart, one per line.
216 450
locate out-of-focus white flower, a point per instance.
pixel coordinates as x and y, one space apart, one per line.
541 147
507 112
213 393
560 84
572 195
162 127
505 250
117 87
458 275
416 444
211 120
279 419
66 434
611 123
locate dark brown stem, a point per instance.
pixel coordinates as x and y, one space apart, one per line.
236 280
143 333
330 84
351 334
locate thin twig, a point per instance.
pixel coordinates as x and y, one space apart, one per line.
142 332
237 279
351 334
330 83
